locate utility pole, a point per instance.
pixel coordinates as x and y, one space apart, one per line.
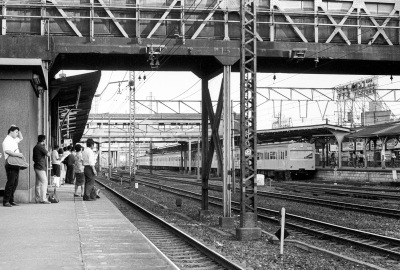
132 128
248 118
109 147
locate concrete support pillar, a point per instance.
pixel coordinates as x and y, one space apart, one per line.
227 220
204 150
19 93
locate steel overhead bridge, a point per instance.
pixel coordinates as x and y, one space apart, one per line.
342 37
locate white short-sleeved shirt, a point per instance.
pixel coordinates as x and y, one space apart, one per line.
55 157
11 144
88 157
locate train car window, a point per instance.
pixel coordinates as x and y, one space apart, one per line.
301 154
266 155
272 155
285 153
259 156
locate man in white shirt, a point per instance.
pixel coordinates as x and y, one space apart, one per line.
10 148
89 162
56 170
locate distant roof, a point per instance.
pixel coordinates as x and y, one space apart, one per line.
391 129
66 94
298 133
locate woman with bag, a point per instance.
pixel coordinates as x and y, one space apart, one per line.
10 148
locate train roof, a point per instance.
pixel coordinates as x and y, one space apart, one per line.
299 133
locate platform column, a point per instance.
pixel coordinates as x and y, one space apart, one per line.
374 155
190 157
99 157
365 152
383 140
323 154
198 159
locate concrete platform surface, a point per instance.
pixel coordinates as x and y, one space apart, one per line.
74 234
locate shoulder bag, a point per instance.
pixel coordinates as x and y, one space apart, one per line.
17 162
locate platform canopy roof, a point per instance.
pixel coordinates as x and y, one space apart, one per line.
391 130
305 133
73 97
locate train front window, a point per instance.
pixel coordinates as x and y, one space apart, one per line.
301 154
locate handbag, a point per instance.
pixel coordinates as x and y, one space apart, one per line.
53 198
17 162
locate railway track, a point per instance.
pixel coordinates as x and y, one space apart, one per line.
185 251
383 245
343 192
379 211
316 185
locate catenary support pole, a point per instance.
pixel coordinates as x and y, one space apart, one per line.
248 122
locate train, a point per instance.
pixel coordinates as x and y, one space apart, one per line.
279 160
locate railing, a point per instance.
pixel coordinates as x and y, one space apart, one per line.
317 21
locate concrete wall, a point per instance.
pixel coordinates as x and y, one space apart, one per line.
355 176
19 106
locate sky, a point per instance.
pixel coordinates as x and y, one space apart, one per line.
113 97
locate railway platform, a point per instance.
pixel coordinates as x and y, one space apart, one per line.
74 234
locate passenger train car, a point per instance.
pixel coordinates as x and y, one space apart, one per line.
272 160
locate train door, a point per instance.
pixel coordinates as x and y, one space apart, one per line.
281 159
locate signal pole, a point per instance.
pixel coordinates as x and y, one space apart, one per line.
248 118
132 128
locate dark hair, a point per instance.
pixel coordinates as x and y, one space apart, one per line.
41 138
12 128
89 142
69 147
78 147
60 151
56 147
65 149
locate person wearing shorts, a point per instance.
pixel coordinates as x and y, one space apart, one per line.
79 171
55 168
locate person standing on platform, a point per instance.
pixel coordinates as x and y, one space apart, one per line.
62 166
393 159
79 171
55 162
10 148
89 161
39 158
69 162
383 158
361 159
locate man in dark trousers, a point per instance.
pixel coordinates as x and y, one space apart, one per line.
10 148
39 158
89 161
70 162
